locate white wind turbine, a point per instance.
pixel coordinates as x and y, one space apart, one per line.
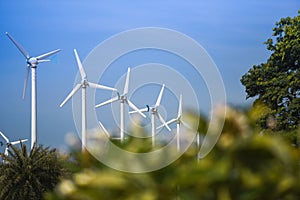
123 99
8 143
83 85
154 112
178 120
32 63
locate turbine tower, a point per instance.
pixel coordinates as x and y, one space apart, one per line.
32 62
83 85
123 99
8 143
154 112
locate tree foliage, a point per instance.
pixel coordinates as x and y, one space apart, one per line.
26 175
276 83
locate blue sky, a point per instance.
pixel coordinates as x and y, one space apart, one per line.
232 32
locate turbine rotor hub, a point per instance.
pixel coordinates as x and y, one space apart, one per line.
153 110
179 121
33 61
123 97
84 83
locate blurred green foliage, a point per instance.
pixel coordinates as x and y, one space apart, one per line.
245 164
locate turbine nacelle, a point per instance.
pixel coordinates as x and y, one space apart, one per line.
122 97
33 61
153 109
84 83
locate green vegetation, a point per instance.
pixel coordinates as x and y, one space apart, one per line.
276 83
245 164
26 175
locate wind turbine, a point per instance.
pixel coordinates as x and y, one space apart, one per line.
154 112
83 85
123 99
32 63
8 143
178 122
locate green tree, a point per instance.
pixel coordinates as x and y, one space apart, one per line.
26 175
276 83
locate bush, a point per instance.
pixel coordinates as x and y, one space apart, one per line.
245 164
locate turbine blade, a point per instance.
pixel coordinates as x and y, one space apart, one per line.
22 50
4 137
104 129
41 61
180 107
75 89
142 110
116 98
6 151
160 96
126 87
131 105
168 122
46 55
81 70
26 81
15 142
187 125
25 140
18 142
94 85
163 121
160 126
